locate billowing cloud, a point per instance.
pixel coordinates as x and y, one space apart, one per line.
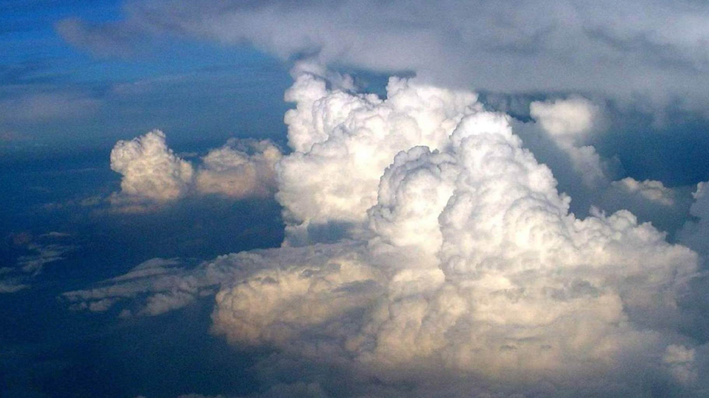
239 169
154 175
472 264
342 142
527 46
568 123
151 171
448 262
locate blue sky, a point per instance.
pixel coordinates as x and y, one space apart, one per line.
68 95
232 199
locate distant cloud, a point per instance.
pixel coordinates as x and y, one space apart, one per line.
114 39
42 107
240 169
150 170
695 233
154 175
39 252
651 190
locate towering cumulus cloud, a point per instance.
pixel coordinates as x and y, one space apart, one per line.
466 264
343 142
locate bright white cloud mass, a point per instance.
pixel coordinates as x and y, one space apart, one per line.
428 253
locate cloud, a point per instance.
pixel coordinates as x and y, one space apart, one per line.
695 233
42 107
239 169
42 255
343 141
461 268
113 39
163 284
11 286
151 171
568 123
471 264
36 254
569 45
648 189
153 175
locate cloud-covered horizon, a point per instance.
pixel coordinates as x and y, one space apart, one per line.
425 243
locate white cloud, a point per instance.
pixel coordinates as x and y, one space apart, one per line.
151 171
568 123
565 118
474 264
695 233
153 175
654 191
239 169
342 142
465 272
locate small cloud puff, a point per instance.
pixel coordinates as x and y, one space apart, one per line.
150 169
239 169
653 191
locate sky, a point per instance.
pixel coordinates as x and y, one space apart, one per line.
285 198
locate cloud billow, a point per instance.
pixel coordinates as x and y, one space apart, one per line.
467 262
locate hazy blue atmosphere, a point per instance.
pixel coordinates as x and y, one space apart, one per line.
269 198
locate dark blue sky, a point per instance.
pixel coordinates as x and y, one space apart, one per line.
56 95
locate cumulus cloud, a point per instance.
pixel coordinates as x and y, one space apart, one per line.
150 169
153 174
448 262
568 123
343 141
471 263
239 169
651 190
